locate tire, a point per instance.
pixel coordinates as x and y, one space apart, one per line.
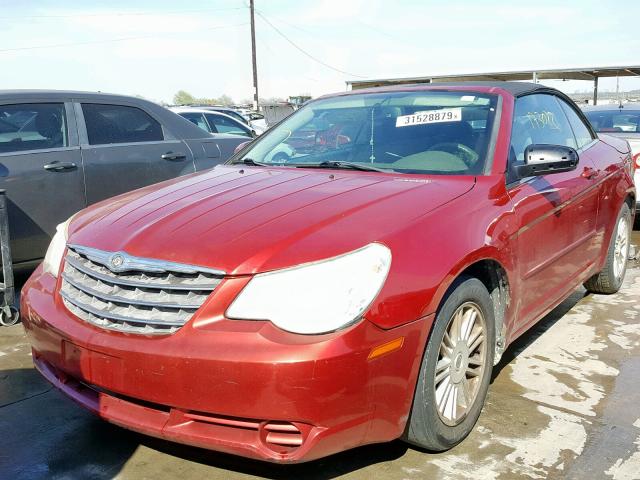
434 426
610 279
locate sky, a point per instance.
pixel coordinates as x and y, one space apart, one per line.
155 48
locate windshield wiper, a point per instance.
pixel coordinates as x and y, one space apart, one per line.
341 164
252 163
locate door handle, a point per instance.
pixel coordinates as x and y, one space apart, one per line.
60 166
173 156
589 173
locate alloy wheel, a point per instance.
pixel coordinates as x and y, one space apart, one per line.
461 363
621 247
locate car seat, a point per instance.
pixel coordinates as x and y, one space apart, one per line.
49 126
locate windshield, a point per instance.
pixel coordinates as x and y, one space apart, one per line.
429 132
618 120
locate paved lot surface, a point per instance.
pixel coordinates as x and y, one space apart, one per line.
564 403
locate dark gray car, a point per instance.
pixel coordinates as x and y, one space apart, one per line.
61 151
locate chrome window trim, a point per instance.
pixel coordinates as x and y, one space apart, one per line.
86 146
38 151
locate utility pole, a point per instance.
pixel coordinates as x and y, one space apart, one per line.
253 56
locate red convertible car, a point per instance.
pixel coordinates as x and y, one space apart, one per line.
355 293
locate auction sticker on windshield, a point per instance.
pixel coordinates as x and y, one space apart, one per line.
433 116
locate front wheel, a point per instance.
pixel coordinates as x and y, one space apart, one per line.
610 279
456 369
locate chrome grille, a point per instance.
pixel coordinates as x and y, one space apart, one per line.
117 291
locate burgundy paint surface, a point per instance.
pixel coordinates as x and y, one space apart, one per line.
222 383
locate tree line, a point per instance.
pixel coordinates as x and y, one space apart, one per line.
183 97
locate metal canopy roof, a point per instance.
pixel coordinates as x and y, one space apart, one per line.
591 74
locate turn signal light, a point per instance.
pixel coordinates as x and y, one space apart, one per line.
385 348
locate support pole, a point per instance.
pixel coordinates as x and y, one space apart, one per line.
8 310
253 57
595 90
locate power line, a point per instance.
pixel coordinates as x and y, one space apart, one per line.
275 55
113 40
126 14
290 24
304 52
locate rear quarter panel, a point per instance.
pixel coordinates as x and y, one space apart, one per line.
615 184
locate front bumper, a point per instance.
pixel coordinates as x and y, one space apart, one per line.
239 387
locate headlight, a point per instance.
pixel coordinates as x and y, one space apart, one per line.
56 248
318 297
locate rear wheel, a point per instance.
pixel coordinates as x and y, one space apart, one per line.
610 279
456 369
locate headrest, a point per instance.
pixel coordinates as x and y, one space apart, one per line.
48 124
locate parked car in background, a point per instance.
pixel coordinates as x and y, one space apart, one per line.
217 108
621 121
259 125
359 291
213 121
255 116
61 151
256 120
247 113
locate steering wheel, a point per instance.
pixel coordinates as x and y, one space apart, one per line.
466 154
281 157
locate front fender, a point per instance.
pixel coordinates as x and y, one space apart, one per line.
429 255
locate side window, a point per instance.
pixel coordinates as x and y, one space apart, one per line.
537 119
32 126
197 119
581 131
626 122
616 120
225 125
119 124
237 116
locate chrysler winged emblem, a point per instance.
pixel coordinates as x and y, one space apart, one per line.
117 261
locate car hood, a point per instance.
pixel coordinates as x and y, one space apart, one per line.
245 220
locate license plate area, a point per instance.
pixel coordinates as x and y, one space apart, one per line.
93 367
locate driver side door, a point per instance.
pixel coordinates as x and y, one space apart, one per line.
41 171
555 213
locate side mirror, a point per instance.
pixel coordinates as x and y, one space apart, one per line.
240 146
542 159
